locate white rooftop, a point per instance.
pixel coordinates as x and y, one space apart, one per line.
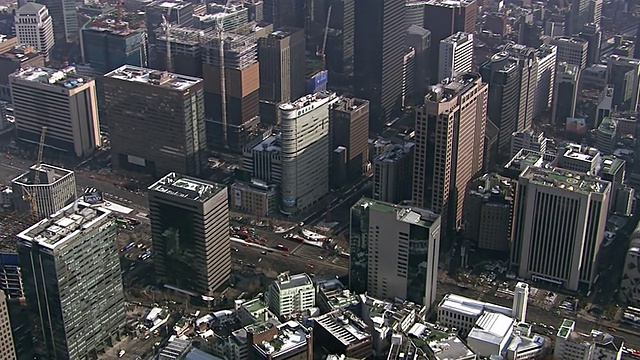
311 99
492 328
344 326
470 307
153 77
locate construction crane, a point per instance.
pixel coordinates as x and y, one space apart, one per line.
30 196
323 49
166 24
223 81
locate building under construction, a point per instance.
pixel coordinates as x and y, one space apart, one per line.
48 187
185 46
242 84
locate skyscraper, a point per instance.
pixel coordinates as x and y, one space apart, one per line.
503 76
456 55
156 121
579 15
450 135
560 220
7 348
394 251
591 32
393 173
186 50
547 56
444 18
282 65
624 74
349 124
565 93
379 52
420 40
72 282
526 60
304 147
176 12
107 45
190 229
572 50
65 19
61 100
34 27
242 85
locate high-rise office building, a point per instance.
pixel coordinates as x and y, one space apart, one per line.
408 77
65 19
503 76
456 55
232 16
419 39
526 60
107 45
591 32
547 57
565 93
54 189
560 220
450 135
34 27
284 13
242 85
190 229
282 65
349 126
394 251
444 18
572 50
7 347
61 100
378 57
624 74
304 144
72 281
595 11
393 173
414 13
156 121
579 15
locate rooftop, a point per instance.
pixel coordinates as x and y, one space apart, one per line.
565 179
570 39
290 335
394 152
22 52
187 187
607 126
349 104
492 328
611 164
443 3
450 348
47 174
271 143
64 225
407 214
624 59
286 281
448 88
458 37
471 307
316 99
345 326
168 4
153 77
111 26
581 153
65 78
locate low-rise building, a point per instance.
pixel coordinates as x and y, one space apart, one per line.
291 294
491 334
580 158
342 332
255 197
462 313
571 345
429 341
333 295
290 340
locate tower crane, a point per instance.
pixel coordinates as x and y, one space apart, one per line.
322 51
223 80
30 196
166 24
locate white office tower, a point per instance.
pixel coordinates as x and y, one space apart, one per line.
305 150
529 140
63 101
394 251
291 294
520 302
456 55
547 55
560 221
34 27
